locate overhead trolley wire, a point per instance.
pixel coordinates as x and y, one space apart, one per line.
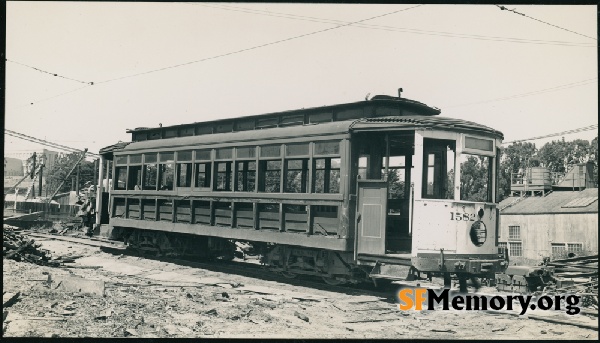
256 47
50 73
45 142
541 91
581 129
544 22
396 29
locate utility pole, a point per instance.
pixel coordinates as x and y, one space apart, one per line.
42 163
33 175
77 179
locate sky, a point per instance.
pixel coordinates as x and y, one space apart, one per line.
175 63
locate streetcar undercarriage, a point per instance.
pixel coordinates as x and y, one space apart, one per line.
334 267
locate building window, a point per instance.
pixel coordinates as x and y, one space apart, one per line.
515 249
563 250
502 247
574 248
514 232
558 250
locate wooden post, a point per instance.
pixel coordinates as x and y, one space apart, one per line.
99 191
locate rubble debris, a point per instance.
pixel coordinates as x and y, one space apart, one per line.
130 332
301 316
8 299
18 247
77 284
443 330
105 314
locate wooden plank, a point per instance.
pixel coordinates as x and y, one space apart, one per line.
203 219
202 211
269 215
244 214
184 210
223 220
295 226
249 222
300 217
183 216
269 223
222 213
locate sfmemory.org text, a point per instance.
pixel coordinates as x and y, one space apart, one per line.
413 298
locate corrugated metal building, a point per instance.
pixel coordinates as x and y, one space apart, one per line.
553 225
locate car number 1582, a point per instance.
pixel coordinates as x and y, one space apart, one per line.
462 216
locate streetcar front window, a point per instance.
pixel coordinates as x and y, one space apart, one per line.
475 178
438 169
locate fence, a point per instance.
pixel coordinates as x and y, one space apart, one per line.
52 209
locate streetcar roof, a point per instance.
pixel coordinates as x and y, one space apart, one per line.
329 130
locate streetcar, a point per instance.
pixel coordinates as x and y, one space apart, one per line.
382 189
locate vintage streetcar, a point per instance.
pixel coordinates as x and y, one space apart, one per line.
381 189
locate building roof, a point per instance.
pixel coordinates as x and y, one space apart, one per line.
585 201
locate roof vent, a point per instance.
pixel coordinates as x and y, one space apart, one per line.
399 92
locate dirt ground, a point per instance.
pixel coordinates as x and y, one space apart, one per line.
149 298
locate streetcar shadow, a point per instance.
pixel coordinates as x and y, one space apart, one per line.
385 292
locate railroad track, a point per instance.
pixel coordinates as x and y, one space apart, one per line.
246 269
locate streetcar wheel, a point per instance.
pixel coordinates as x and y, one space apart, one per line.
330 280
447 281
288 275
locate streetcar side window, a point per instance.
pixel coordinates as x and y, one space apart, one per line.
202 168
134 173
246 176
245 169
296 168
184 169
134 178
224 176
326 167
166 171
270 169
150 171
121 179
438 169
327 175
224 169
296 176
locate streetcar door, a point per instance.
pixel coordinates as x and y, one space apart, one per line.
371 217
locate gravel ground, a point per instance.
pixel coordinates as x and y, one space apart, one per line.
149 298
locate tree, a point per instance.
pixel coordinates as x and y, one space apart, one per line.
515 157
55 175
557 155
474 178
